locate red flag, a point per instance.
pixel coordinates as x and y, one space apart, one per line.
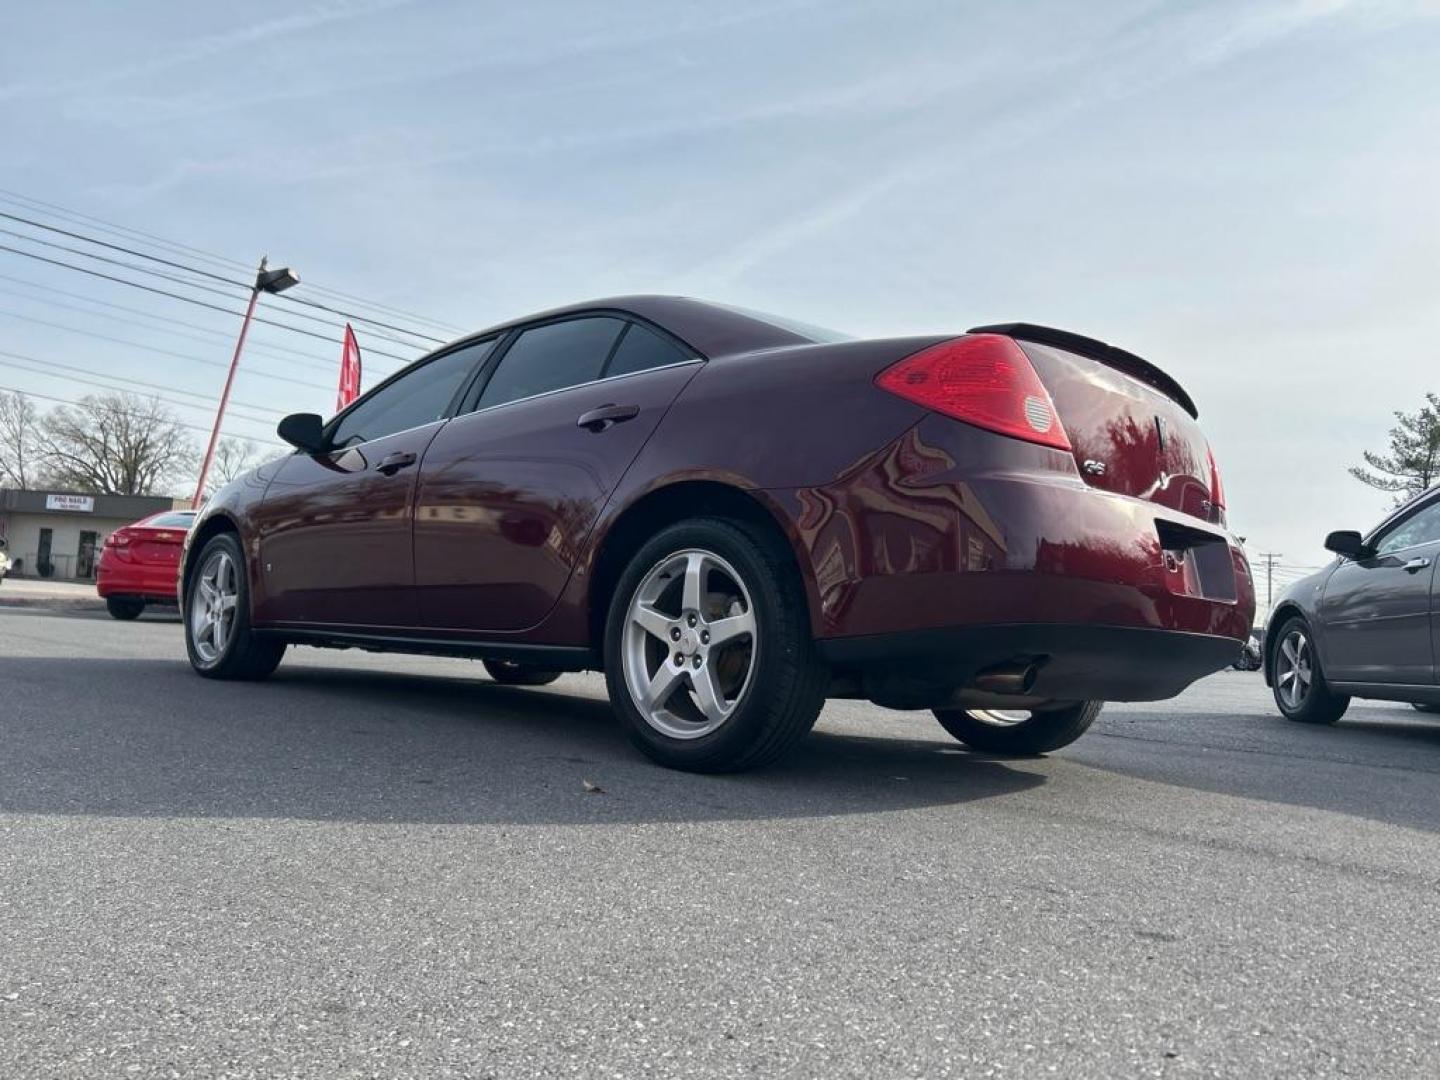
349 370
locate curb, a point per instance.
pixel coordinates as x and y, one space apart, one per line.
88 603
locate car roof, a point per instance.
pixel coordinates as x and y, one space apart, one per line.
710 329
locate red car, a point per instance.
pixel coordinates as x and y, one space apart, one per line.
735 516
140 563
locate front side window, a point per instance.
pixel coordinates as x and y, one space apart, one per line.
1421 527
418 397
552 357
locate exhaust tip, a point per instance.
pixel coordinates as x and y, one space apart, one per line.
1013 678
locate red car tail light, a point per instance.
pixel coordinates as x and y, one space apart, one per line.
982 379
119 538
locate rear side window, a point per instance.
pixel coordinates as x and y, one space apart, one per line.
641 349
1421 527
418 397
552 357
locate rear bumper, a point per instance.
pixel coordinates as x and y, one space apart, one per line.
135 581
950 526
1076 662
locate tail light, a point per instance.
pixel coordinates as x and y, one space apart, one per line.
982 379
1217 489
119 538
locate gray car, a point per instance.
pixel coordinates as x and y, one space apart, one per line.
1361 626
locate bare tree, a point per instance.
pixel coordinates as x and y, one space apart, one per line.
232 457
1413 463
115 444
19 435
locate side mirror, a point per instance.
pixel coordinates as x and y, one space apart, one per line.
1349 543
304 431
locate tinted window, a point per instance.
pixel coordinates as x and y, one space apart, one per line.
179 520
418 397
1421 527
552 357
640 349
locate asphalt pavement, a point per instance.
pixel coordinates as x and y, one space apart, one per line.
378 866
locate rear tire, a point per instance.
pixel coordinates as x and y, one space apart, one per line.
123 609
1301 692
218 635
508 673
748 683
1042 731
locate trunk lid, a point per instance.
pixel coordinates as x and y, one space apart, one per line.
1132 428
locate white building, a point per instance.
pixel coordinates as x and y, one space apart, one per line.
58 534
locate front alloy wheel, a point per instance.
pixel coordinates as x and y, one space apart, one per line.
1293 674
218 635
1301 691
213 604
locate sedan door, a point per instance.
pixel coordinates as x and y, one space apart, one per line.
1376 612
335 527
509 492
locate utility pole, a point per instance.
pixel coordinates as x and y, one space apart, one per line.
1269 557
271 281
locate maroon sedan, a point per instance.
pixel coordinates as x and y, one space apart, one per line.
735 516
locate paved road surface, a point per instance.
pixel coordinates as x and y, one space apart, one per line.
379 866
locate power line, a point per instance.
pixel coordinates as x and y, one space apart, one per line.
216 277
42 367
161 352
218 335
126 232
202 286
179 423
150 390
191 300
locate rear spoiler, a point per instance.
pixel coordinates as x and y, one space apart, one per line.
1108 355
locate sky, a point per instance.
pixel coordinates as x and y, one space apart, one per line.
1243 193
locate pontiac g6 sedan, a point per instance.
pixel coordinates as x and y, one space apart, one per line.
735 516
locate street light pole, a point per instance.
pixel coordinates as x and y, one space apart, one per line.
271 281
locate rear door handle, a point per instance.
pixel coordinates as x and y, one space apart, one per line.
1416 564
606 416
390 464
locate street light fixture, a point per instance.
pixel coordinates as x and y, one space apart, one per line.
275 281
266 280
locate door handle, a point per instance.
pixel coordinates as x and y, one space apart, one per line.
1416 564
390 464
606 416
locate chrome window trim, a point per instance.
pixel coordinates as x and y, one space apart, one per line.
577 386
507 404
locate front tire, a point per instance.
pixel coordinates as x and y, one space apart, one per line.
708 656
218 635
1301 692
1037 731
123 609
509 673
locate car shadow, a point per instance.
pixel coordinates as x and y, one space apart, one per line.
149 738
1380 762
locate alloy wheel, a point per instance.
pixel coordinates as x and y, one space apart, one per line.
691 643
213 603
1293 669
1001 717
